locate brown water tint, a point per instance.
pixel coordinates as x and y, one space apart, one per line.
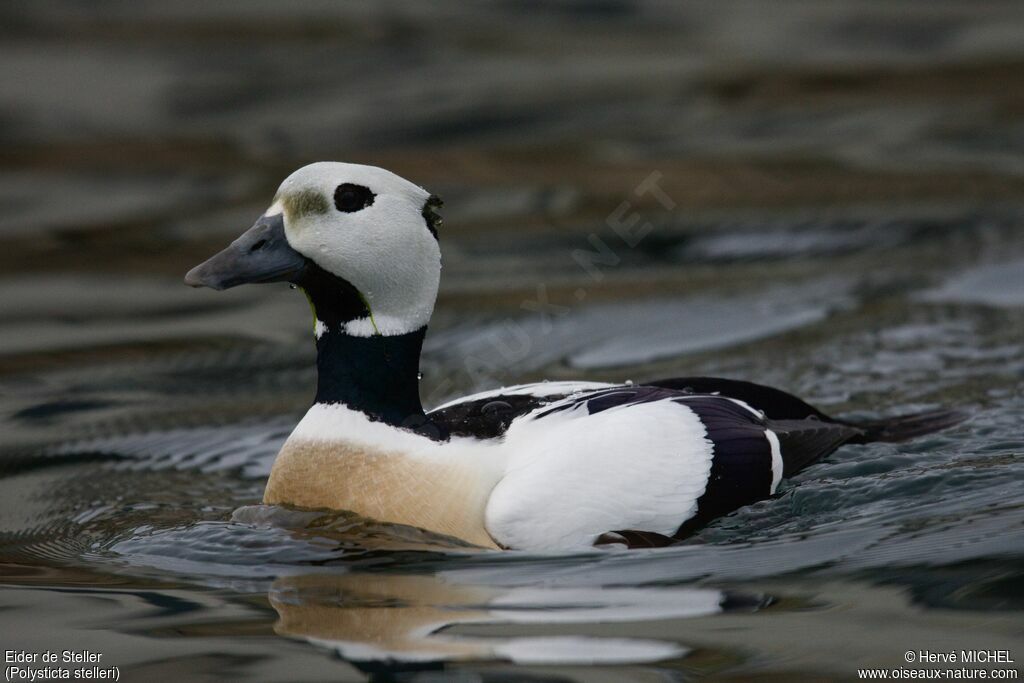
841 214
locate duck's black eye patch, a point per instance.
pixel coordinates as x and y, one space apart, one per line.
349 197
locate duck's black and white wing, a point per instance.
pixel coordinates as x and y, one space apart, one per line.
642 461
488 414
650 463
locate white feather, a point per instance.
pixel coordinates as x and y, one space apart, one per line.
538 389
335 422
572 476
777 465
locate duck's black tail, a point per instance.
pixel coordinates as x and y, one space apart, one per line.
904 427
805 442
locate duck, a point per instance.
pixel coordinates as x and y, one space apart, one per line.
547 466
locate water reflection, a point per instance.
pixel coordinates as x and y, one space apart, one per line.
377 617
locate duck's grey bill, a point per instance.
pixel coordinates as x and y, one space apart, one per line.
261 254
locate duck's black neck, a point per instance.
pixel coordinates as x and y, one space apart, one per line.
376 375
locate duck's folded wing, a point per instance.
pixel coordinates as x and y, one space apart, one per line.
488 414
774 403
644 461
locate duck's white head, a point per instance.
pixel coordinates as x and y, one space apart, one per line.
360 240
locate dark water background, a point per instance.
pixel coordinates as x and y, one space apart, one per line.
843 217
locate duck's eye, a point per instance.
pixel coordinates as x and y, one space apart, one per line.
349 197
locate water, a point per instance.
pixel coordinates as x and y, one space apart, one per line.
844 220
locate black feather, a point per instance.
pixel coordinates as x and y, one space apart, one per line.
805 442
774 403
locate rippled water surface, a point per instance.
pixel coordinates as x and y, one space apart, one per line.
842 216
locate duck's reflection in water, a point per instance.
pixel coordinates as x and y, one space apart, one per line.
412 618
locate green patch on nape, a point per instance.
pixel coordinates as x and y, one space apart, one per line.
304 203
369 313
430 214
